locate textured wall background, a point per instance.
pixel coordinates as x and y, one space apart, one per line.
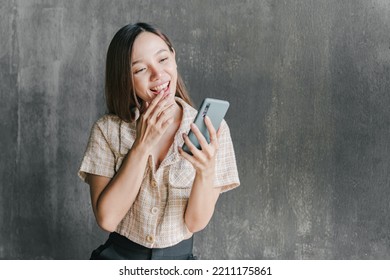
308 82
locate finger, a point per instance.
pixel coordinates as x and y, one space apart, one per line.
211 129
166 104
192 159
160 106
201 139
208 150
167 123
219 132
166 114
194 150
152 105
186 155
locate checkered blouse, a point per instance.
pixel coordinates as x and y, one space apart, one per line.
156 219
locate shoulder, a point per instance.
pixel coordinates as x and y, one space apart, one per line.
113 129
107 120
112 124
224 127
119 134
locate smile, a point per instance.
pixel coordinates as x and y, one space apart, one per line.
160 88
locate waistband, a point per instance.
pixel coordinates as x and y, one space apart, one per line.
181 249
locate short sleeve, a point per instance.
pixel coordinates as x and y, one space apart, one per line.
98 159
226 175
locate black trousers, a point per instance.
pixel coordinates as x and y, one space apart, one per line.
118 247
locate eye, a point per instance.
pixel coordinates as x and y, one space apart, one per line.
164 59
139 70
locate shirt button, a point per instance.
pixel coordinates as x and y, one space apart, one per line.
154 210
150 238
154 184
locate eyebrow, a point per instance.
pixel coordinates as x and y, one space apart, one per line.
157 53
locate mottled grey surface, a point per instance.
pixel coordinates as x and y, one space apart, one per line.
308 83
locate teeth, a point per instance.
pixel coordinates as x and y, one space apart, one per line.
160 87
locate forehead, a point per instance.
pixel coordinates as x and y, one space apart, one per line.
147 44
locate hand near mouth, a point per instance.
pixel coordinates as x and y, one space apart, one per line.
154 121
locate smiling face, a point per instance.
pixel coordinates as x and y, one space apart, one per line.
153 66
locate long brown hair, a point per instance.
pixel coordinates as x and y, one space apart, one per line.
121 98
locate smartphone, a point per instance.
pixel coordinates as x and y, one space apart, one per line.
215 109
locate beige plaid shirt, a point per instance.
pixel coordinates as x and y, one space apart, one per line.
156 219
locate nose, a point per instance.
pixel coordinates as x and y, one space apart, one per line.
156 72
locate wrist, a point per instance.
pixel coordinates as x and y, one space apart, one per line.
140 149
205 174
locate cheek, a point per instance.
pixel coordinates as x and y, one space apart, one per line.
173 67
139 84
173 72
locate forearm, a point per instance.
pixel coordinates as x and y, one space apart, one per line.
201 203
119 195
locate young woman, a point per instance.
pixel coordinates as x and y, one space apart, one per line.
150 194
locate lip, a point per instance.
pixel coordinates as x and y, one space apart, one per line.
161 91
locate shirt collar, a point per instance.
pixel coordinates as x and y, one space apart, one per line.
187 118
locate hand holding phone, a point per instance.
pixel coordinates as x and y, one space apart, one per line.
215 109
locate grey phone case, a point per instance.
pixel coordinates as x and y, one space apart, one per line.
215 109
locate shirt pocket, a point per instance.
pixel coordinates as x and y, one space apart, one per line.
181 178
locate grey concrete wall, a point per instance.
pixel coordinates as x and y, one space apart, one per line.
308 83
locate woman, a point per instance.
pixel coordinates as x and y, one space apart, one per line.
150 194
